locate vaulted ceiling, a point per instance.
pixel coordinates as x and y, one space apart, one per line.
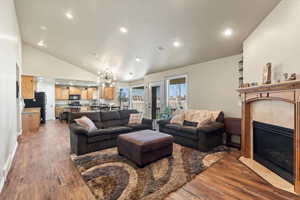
161 34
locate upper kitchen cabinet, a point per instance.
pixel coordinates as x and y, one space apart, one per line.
92 93
109 93
84 93
61 93
28 87
75 91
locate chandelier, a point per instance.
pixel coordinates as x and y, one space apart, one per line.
106 77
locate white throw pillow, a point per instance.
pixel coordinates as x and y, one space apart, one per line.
177 119
135 118
86 123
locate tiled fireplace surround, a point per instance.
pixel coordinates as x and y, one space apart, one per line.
276 104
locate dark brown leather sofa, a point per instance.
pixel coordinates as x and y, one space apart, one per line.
204 138
110 125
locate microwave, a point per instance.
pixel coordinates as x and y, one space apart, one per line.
74 97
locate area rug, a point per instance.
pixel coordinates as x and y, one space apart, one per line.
113 177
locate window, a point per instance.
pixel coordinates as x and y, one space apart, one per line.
137 98
124 98
177 93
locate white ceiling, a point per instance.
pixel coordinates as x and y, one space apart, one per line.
93 41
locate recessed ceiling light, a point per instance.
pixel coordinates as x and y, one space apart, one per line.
228 32
176 44
42 43
43 28
69 15
138 59
123 30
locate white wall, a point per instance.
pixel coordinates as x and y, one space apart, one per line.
275 40
10 54
211 85
38 63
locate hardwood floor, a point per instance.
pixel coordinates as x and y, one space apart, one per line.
42 170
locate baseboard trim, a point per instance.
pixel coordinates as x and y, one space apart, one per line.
7 166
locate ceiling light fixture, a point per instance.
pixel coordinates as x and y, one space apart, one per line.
43 28
176 44
228 32
69 15
42 43
138 59
124 30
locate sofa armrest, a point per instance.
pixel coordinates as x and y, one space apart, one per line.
163 122
213 127
210 136
78 130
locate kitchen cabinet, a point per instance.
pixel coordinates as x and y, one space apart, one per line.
84 93
31 119
74 91
109 93
92 93
61 93
28 87
58 111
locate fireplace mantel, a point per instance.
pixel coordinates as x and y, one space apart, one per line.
287 92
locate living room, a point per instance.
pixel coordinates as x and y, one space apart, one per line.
149 100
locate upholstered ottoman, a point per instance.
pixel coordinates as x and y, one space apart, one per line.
144 147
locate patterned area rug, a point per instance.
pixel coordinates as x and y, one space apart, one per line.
112 177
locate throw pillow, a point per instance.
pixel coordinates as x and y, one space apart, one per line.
135 118
177 119
204 121
86 123
189 123
215 115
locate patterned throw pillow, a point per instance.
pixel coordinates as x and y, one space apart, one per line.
135 118
215 115
204 121
178 119
86 123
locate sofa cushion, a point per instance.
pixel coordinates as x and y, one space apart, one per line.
94 116
112 123
111 115
107 134
137 127
182 131
124 114
189 132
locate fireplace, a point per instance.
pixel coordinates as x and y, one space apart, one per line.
273 148
288 92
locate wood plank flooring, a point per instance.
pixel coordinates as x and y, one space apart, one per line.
42 170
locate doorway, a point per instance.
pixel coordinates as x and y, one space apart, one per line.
156 99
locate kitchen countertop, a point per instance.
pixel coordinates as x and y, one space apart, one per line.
31 110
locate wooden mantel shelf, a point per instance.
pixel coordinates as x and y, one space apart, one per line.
272 87
286 91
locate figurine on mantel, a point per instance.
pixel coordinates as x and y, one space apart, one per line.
267 73
292 77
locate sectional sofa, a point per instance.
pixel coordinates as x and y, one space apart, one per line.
110 125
